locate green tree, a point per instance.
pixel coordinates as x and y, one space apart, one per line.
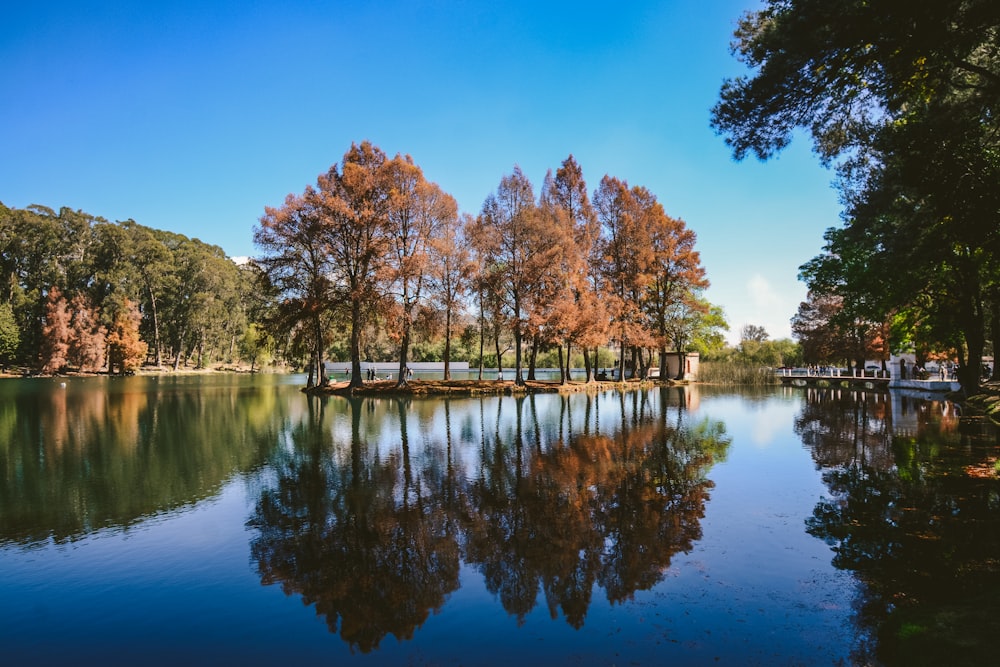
708 338
906 96
10 336
683 318
152 261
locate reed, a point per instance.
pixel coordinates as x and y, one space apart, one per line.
734 373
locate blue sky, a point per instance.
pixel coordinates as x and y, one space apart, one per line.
192 116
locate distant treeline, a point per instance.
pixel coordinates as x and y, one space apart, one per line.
82 293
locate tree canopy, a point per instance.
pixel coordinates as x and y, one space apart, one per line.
903 98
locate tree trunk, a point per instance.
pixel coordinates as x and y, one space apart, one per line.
356 380
482 334
496 341
180 348
404 343
970 373
569 349
518 362
323 380
482 350
562 371
156 327
533 357
404 353
972 322
447 343
643 363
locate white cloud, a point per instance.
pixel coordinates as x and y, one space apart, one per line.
762 295
768 307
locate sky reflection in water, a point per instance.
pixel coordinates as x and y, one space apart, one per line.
139 521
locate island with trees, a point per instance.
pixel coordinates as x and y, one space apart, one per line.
375 252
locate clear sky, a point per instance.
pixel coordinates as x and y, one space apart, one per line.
193 115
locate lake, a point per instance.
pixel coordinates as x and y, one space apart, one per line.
233 520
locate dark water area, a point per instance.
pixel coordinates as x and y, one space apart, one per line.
234 520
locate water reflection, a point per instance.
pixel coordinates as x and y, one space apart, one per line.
914 510
372 504
84 454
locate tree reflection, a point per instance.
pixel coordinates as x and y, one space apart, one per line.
551 507
921 534
95 453
652 501
366 543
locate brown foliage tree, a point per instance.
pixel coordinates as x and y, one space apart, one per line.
825 336
528 252
626 255
56 333
572 320
88 345
677 278
451 273
126 351
354 203
418 210
503 237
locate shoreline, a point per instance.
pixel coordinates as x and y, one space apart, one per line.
477 387
236 369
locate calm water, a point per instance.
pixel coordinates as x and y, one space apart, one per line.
232 520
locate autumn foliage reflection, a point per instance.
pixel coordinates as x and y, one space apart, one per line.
374 538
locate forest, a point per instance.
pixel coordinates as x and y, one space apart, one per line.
88 295
374 262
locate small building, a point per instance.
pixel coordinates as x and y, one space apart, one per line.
691 362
